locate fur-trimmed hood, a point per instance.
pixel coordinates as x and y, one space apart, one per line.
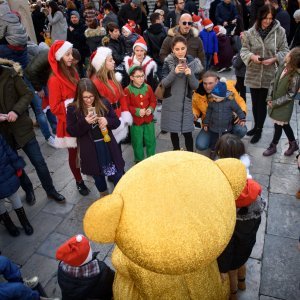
11 64
175 31
99 31
193 63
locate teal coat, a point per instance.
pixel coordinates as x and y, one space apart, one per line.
282 93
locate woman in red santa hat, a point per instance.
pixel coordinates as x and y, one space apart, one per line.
139 58
109 87
62 87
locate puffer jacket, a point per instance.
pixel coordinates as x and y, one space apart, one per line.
194 44
15 96
94 37
274 44
176 114
10 163
200 100
11 30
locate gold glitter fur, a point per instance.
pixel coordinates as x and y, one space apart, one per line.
170 216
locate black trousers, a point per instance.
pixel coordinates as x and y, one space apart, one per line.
259 106
188 138
278 132
240 86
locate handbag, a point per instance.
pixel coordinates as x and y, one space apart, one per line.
160 92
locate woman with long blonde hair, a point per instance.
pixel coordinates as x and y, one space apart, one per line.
109 87
62 85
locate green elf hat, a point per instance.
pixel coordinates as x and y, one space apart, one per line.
132 68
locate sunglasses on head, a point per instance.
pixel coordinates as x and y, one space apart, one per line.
187 23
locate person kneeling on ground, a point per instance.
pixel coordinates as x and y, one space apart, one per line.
80 274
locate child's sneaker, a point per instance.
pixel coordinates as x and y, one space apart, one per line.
31 282
51 141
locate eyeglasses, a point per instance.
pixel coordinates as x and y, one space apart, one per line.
184 23
88 97
139 76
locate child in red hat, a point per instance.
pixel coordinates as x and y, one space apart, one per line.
249 207
128 31
80 274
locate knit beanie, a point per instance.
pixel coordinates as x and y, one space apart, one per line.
207 23
100 56
75 13
4 8
75 252
140 42
136 2
219 90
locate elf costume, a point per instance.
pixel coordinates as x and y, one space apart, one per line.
143 129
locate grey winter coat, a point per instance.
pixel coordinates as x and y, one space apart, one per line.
59 26
10 28
275 44
176 114
219 115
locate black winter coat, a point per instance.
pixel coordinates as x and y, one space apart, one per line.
10 162
154 37
118 48
191 7
78 127
38 20
128 13
296 39
170 19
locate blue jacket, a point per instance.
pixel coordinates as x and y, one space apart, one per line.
209 40
10 162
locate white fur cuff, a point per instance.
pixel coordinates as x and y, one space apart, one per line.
126 117
68 101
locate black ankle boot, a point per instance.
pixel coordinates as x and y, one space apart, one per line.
256 137
24 221
252 131
9 225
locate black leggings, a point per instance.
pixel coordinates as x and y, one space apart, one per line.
259 106
188 138
278 131
240 87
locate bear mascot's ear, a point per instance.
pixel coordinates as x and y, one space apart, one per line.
102 218
236 175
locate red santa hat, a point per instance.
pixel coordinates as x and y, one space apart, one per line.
196 18
76 251
249 194
128 28
60 48
207 23
131 23
219 30
140 42
99 57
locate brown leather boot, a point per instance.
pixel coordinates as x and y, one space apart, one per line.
271 150
293 146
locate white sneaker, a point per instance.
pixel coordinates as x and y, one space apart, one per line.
221 70
31 282
51 141
158 107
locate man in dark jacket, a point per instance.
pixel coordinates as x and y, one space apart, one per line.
226 15
18 128
190 6
154 37
38 19
130 11
109 15
282 16
172 19
194 43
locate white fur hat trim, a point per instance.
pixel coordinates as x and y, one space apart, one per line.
100 57
62 50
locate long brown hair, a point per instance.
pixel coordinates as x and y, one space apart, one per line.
86 85
104 75
68 72
294 64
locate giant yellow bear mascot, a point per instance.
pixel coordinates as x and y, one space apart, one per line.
170 216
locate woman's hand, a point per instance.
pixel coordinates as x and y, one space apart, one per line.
187 71
12 116
91 118
255 59
49 10
179 68
269 61
102 122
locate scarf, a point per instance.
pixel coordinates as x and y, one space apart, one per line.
264 32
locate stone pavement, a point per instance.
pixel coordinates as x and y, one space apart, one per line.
273 269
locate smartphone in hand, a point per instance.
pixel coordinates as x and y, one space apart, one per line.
182 61
92 111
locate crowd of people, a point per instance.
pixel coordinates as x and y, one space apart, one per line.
98 73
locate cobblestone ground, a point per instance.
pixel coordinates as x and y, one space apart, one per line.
273 269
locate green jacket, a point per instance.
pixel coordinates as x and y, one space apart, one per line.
282 93
15 96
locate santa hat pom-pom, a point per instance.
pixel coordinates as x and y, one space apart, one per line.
78 238
119 76
223 79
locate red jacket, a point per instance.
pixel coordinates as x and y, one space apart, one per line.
135 103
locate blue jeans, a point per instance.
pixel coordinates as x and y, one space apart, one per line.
14 288
208 58
17 56
36 103
100 181
203 139
33 151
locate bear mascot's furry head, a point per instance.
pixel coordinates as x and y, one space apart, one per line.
170 216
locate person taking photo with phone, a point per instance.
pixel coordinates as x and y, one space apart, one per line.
179 79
